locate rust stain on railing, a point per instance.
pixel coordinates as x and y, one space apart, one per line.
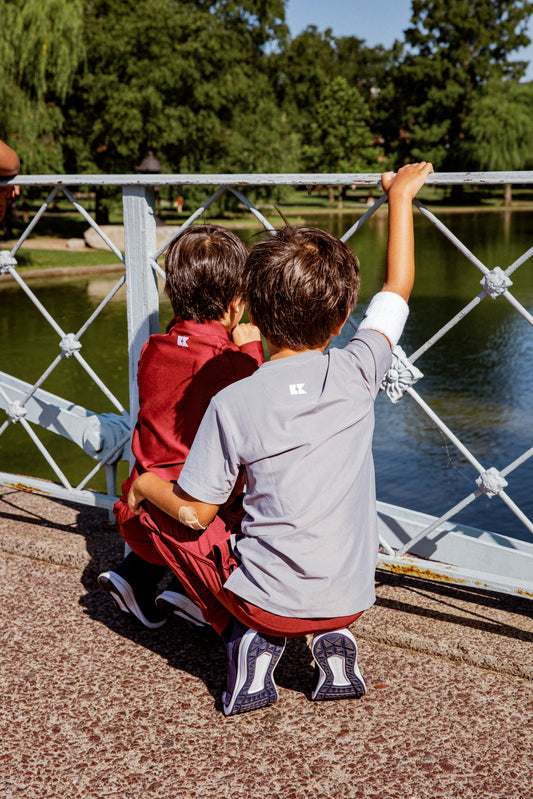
27 489
409 570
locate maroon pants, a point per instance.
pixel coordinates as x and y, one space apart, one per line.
203 562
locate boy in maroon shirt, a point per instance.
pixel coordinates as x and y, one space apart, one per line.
203 350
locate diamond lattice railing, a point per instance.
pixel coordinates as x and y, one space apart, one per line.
108 438
403 375
458 553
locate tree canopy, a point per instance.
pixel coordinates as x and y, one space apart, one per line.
220 86
452 49
339 138
41 49
181 78
499 131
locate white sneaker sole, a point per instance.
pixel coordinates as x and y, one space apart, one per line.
181 605
338 675
122 593
254 686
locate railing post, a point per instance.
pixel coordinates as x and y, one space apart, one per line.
141 281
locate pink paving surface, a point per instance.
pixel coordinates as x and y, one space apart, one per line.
94 706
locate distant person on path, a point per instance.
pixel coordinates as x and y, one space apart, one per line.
203 350
9 167
301 427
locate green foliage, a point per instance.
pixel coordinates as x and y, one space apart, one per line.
339 138
302 71
41 45
454 47
362 66
184 79
219 86
499 131
309 62
260 21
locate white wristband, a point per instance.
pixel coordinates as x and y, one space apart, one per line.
387 313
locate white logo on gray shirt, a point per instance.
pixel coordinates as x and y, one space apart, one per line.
297 388
182 341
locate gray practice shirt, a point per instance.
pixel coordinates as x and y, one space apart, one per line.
302 428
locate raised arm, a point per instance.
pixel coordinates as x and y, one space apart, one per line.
9 161
9 166
401 189
169 498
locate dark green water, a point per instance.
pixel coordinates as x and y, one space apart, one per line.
478 378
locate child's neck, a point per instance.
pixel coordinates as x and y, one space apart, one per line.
276 353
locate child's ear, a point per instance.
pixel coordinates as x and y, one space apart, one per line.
235 311
339 327
236 306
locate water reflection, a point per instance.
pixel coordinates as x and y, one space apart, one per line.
478 377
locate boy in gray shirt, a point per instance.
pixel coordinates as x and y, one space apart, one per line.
301 429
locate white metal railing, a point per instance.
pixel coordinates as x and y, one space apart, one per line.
411 542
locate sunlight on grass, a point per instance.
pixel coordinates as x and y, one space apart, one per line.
53 259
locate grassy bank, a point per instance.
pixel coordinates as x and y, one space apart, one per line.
28 258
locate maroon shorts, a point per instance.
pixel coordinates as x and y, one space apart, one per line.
203 562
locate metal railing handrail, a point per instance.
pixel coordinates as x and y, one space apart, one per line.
266 179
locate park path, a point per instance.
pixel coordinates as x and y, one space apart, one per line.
94 706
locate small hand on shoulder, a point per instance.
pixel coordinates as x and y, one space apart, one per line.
407 181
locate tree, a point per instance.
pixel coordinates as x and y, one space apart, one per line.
40 48
454 47
369 69
177 77
499 130
184 78
301 71
339 138
362 66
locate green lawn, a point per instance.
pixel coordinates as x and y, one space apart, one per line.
53 259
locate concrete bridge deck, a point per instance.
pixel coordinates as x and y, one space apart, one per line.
94 706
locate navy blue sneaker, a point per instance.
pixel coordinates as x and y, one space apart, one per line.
133 586
337 672
252 658
175 600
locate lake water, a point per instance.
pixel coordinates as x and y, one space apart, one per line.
478 378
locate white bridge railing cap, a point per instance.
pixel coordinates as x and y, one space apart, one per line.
265 179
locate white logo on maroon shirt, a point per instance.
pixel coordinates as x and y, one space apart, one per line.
182 341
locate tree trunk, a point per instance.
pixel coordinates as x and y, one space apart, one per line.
101 210
457 194
508 195
331 195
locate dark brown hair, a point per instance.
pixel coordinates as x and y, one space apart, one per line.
204 272
300 284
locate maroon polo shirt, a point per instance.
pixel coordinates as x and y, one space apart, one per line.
179 371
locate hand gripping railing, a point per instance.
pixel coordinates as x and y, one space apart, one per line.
411 542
